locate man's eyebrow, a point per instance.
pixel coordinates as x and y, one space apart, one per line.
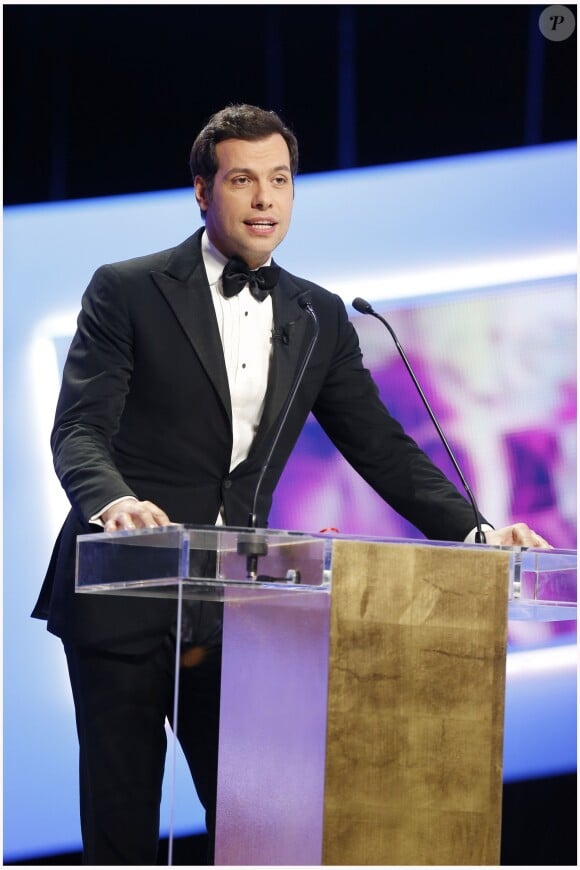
245 170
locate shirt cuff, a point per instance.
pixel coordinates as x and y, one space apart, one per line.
96 518
470 538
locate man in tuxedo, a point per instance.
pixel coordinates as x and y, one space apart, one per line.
172 392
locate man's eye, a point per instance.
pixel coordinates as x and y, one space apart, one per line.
241 180
280 180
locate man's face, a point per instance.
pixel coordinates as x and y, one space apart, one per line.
249 208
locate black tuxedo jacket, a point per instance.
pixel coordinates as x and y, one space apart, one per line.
145 410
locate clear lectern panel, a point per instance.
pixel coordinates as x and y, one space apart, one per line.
275 590
200 562
543 585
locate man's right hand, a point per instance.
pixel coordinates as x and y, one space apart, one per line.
132 514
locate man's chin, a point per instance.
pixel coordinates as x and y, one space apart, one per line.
253 251
255 255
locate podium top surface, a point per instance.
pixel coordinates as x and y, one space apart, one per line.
207 561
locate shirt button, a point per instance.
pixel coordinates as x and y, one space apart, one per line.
227 483
243 365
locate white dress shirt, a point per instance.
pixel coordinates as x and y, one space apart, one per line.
245 327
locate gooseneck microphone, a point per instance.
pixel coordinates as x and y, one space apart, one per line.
254 546
364 307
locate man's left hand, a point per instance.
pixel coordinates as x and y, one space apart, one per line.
519 535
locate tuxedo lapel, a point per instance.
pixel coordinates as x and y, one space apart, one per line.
291 337
185 287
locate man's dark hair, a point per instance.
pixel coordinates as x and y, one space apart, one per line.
237 122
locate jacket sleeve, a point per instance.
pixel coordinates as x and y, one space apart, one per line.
350 411
95 383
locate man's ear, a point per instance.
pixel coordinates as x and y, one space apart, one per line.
201 192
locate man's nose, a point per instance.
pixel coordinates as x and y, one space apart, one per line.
262 198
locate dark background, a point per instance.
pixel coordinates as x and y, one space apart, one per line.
102 100
107 99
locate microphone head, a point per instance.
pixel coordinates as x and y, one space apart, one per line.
304 300
362 306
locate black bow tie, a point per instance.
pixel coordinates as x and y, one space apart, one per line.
236 275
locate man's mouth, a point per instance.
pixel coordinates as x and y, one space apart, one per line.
261 224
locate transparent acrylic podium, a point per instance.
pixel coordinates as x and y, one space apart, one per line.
363 683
